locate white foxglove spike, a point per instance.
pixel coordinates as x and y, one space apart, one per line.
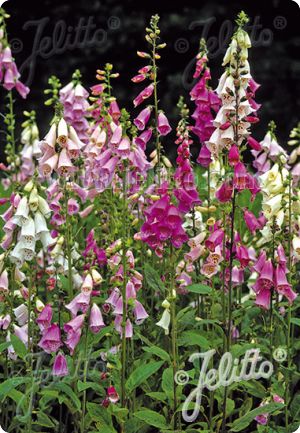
46 240
28 233
40 223
17 255
62 132
50 138
44 207
34 200
165 321
22 212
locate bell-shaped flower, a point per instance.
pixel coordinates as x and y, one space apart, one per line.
96 320
60 366
51 339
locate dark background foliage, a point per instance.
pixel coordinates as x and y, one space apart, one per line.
118 32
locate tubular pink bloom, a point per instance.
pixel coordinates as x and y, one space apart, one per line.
113 297
5 322
4 281
128 328
281 255
72 340
75 324
251 221
265 280
48 166
173 218
81 302
140 313
44 318
73 148
260 262
124 147
87 285
130 291
22 333
96 319
7 57
143 139
241 179
51 340
138 78
209 269
216 256
163 124
86 212
255 145
145 94
114 111
237 276
117 136
224 193
204 157
179 237
73 206
22 89
278 399
233 155
112 394
282 285
215 239
194 254
142 119
60 366
9 80
65 165
242 255
263 298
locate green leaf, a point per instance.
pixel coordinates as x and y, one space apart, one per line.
152 418
201 289
244 421
18 346
168 383
295 321
10 384
153 279
192 338
141 374
162 354
244 198
68 391
160 396
99 413
44 420
4 346
255 388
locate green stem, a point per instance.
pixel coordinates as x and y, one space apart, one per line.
68 242
289 347
82 428
157 138
174 349
29 362
124 263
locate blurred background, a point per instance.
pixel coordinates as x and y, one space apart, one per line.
56 37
